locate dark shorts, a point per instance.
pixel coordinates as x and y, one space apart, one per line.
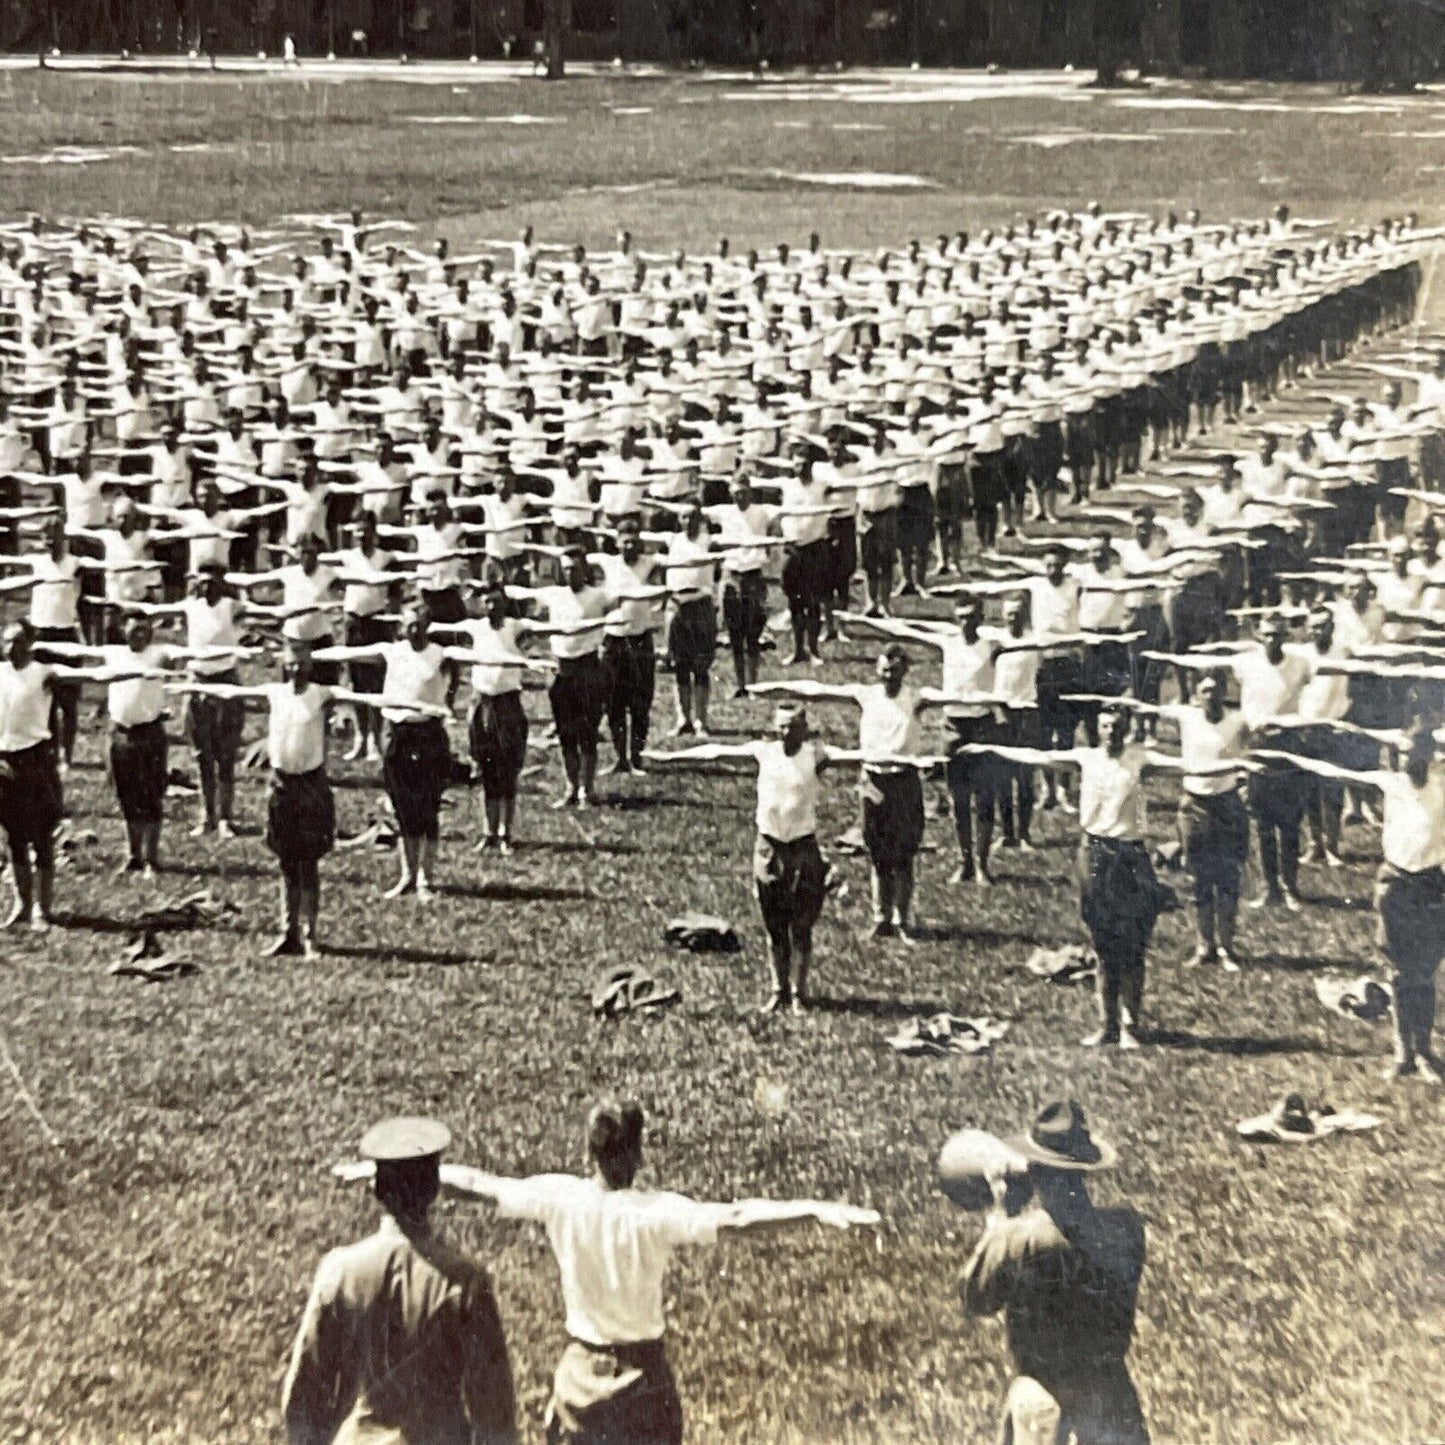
692 639
1045 453
1106 668
745 597
1390 473
497 734
614 1395
989 483
579 696
416 768
137 765
979 774
1119 896
31 802
951 503
790 879
367 632
300 817
842 553
1412 922
215 724
445 604
807 575
1058 676
1215 831
1278 795
878 539
915 517
892 817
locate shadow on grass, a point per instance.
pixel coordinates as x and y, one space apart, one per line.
1239 1045
577 845
877 1008
223 869
643 802
1301 963
502 892
383 953
105 923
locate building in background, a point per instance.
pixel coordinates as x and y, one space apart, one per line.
1382 43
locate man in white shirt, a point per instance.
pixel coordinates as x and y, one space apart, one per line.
1119 897
213 724
365 569
805 517
497 723
55 617
1213 820
1409 890
1271 679
744 525
137 706
889 744
628 652
576 615
30 792
969 655
789 873
613 1243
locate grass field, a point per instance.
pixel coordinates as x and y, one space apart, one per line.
160 1231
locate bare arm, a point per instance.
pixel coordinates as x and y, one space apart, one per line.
756 1216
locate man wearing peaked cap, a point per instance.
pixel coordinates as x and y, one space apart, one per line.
401 1342
1066 1275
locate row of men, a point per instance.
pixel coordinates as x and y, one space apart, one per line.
1082 395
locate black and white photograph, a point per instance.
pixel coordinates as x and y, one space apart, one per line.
722 721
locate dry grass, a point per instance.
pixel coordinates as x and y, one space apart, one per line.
156 1260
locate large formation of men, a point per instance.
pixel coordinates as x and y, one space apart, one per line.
238 467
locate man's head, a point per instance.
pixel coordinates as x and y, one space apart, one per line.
577 572
1210 693
1419 753
1055 561
892 667
614 1141
407 1154
415 624
629 539
967 614
790 725
296 663
16 642
1272 634
308 549
138 632
1113 730
211 582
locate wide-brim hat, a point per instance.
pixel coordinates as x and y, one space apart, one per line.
1059 1138
967 1159
397 1141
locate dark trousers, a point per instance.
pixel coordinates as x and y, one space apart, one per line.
1016 796
631 665
974 782
1278 798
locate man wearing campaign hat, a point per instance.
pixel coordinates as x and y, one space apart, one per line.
1066 1275
401 1342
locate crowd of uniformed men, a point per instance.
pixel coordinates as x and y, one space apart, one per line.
240 468
328 449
